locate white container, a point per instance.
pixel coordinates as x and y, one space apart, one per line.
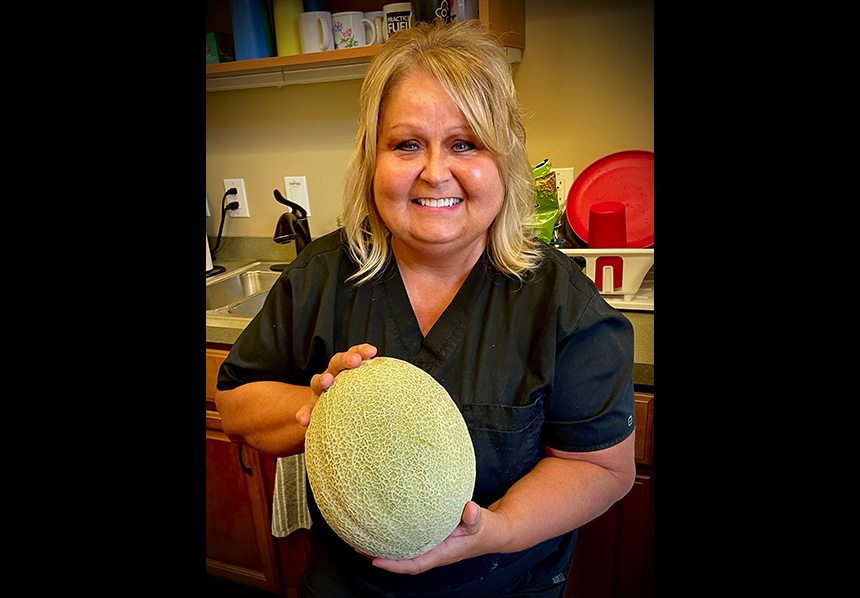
209 265
635 265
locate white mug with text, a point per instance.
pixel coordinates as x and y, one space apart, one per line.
398 15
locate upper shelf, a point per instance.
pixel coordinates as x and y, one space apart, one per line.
334 65
317 67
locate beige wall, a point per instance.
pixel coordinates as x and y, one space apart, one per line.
586 83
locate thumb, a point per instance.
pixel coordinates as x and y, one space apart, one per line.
472 514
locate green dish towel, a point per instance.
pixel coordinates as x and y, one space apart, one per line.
290 501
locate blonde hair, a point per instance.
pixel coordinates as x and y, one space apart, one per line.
473 69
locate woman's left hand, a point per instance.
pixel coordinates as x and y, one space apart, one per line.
479 532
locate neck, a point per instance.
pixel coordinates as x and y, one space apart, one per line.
438 264
432 281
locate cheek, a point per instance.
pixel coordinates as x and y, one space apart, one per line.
390 179
483 179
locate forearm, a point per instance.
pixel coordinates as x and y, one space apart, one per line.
557 496
263 416
562 492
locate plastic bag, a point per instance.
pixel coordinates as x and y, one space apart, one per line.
543 220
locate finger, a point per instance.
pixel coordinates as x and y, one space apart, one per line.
319 382
472 514
303 414
351 358
367 350
410 567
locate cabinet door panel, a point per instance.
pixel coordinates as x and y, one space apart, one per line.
643 413
239 545
635 552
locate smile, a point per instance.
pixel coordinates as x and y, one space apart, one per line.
437 203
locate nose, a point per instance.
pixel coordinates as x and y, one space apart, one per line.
436 168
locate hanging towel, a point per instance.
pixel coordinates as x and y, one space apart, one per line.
290 504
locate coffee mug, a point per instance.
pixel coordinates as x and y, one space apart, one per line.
315 28
427 11
398 15
378 19
349 30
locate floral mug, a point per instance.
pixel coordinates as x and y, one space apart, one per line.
350 30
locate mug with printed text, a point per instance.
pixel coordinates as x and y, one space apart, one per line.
398 15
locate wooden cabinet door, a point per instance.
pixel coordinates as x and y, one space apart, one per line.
239 543
239 480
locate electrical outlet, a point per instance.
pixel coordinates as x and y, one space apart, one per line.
242 211
563 181
297 191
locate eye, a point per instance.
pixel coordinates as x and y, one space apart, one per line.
408 146
462 146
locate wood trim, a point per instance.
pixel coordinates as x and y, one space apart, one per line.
214 358
257 490
237 574
643 414
344 56
506 19
213 424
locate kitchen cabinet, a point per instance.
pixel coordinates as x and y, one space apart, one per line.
614 556
505 18
239 487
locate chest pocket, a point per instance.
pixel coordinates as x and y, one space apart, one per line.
507 443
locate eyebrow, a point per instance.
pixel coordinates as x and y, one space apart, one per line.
458 130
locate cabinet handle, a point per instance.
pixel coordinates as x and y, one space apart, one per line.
244 467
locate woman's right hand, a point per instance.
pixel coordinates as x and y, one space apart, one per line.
351 358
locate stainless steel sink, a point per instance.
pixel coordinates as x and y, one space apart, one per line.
249 307
240 292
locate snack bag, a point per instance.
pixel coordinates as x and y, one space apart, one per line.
542 222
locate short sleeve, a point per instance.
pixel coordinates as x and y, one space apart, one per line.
591 402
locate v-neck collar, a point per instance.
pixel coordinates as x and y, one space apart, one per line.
430 351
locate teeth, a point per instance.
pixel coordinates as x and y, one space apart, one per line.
438 203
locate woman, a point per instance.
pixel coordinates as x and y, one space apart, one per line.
433 266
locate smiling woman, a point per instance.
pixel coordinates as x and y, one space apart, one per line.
450 90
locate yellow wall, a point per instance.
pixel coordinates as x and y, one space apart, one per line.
586 83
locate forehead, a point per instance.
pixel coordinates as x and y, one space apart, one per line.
416 93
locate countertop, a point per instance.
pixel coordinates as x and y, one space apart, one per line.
225 330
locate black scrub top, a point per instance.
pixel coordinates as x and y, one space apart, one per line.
545 362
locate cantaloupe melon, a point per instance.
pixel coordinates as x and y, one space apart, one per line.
389 459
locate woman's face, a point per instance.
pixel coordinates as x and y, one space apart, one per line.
436 187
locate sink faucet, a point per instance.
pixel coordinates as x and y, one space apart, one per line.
291 226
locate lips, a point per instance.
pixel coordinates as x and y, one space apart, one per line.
442 202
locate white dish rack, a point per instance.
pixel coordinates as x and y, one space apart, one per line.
637 283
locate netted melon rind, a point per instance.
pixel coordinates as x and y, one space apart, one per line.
389 459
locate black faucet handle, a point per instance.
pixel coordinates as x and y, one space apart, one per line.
297 209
